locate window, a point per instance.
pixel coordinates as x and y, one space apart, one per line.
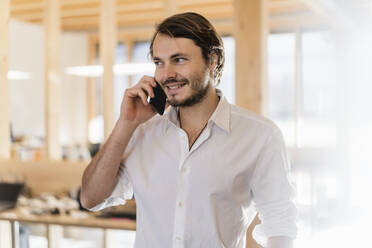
227 84
121 81
282 85
317 90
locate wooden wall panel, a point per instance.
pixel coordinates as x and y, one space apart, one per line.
107 55
52 25
44 176
4 85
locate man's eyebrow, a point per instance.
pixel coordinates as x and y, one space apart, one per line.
179 55
172 56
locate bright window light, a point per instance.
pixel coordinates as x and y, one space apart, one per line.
119 69
19 75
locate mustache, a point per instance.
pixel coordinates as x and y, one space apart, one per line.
175 80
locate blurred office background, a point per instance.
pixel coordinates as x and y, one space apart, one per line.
313 78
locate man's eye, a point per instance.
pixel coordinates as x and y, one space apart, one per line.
180 59
157 63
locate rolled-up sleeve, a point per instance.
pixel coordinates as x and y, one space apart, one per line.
273 193
122 192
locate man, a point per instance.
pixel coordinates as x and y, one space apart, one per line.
196 170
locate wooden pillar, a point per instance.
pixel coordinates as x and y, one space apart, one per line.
4 85
250 33
107 53
52 25
130 45
54 236
91 84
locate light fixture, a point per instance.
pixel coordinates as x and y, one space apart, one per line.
19 75
119 69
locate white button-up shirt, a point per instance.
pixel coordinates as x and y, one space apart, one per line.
203 197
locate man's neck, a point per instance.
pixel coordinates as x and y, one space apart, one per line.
195 117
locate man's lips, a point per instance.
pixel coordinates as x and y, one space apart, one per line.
174 87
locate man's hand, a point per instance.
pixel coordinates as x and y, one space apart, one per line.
134 108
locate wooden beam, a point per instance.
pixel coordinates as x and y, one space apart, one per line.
250 32
107 55
123 20
171 7
84 14
29 12
138 7
52 25
26 7
33 16
32 6
4 84
213 11
77 2
128 8
204 2
91 85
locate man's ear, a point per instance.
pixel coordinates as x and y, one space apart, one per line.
213 60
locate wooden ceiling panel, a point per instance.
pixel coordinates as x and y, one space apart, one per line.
13 2
212 12
193 3
82 6
78 2
84 14
139 7
25 7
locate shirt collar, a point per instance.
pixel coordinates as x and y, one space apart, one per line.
221 115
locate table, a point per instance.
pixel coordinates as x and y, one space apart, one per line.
55 223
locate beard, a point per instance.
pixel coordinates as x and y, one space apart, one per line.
198 87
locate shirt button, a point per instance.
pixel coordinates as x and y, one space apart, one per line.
178 238
180 204
184 169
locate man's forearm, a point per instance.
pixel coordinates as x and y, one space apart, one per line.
280 242
101 175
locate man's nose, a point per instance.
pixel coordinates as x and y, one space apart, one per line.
169 71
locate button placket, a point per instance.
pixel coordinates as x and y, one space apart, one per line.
180 211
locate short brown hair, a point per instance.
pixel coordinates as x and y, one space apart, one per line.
197 28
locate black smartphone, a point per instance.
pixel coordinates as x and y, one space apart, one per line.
160 99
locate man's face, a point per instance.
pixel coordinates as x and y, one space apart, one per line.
180 69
